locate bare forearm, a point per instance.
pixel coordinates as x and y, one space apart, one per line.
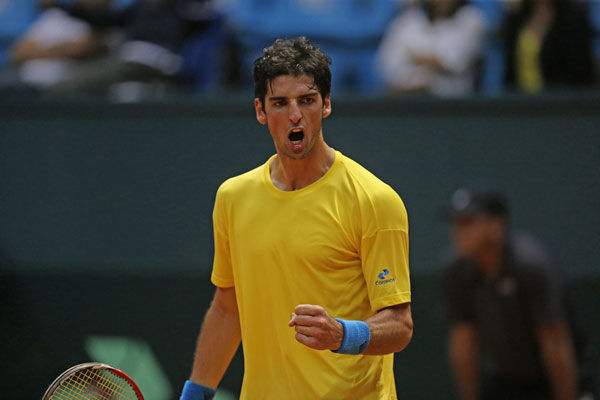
559 360
26 51
463 352
391 330
218 341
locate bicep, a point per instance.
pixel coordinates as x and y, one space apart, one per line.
393 317
225 300
398 312
391 329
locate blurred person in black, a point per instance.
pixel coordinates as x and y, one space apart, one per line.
512 330
154 33
548 45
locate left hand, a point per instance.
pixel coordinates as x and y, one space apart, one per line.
429 61
315 328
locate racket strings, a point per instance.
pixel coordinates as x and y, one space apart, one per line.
94 384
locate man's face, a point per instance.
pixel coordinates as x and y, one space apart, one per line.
293 111
442 8
472 234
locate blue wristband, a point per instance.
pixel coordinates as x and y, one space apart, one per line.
194 391
356 337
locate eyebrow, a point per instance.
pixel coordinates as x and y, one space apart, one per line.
302 96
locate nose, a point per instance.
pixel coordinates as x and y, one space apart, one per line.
294 112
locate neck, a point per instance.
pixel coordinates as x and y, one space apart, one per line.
491 261
290 174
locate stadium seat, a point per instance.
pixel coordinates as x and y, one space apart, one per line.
492 62
15 17
349 30
202 55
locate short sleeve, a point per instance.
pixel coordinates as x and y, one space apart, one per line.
222 273
384 254
385 266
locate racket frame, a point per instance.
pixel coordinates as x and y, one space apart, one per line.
89 365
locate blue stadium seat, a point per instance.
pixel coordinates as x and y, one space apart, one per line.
349 30
15 17
202 55
492 63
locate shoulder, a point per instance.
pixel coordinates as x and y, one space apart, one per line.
367 184
413 13
470 15
409 18
528 250
374 195
456 268
460 278
241 184
530 259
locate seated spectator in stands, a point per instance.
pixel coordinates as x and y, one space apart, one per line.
53 46
548 45
433 47
154 32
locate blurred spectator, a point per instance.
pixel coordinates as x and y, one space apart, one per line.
348 31
548 44
433 47
154 34
512 330
15 17
54 45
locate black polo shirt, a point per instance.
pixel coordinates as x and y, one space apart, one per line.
507 310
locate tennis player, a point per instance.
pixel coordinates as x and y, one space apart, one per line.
311 256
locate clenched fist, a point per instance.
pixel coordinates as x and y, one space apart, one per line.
315 328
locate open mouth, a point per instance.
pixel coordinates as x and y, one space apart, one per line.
296 136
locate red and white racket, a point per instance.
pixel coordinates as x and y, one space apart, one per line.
93 381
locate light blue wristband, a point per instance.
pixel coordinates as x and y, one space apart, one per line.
356 337
195 391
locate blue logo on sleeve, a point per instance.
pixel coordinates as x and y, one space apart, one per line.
382 278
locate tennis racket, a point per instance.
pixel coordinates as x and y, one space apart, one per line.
93 381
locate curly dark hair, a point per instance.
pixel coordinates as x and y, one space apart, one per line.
291 57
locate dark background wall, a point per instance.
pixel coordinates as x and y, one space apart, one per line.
105 212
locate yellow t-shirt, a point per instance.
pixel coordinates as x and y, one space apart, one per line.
341 243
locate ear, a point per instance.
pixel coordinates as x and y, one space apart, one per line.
261 115
326 106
